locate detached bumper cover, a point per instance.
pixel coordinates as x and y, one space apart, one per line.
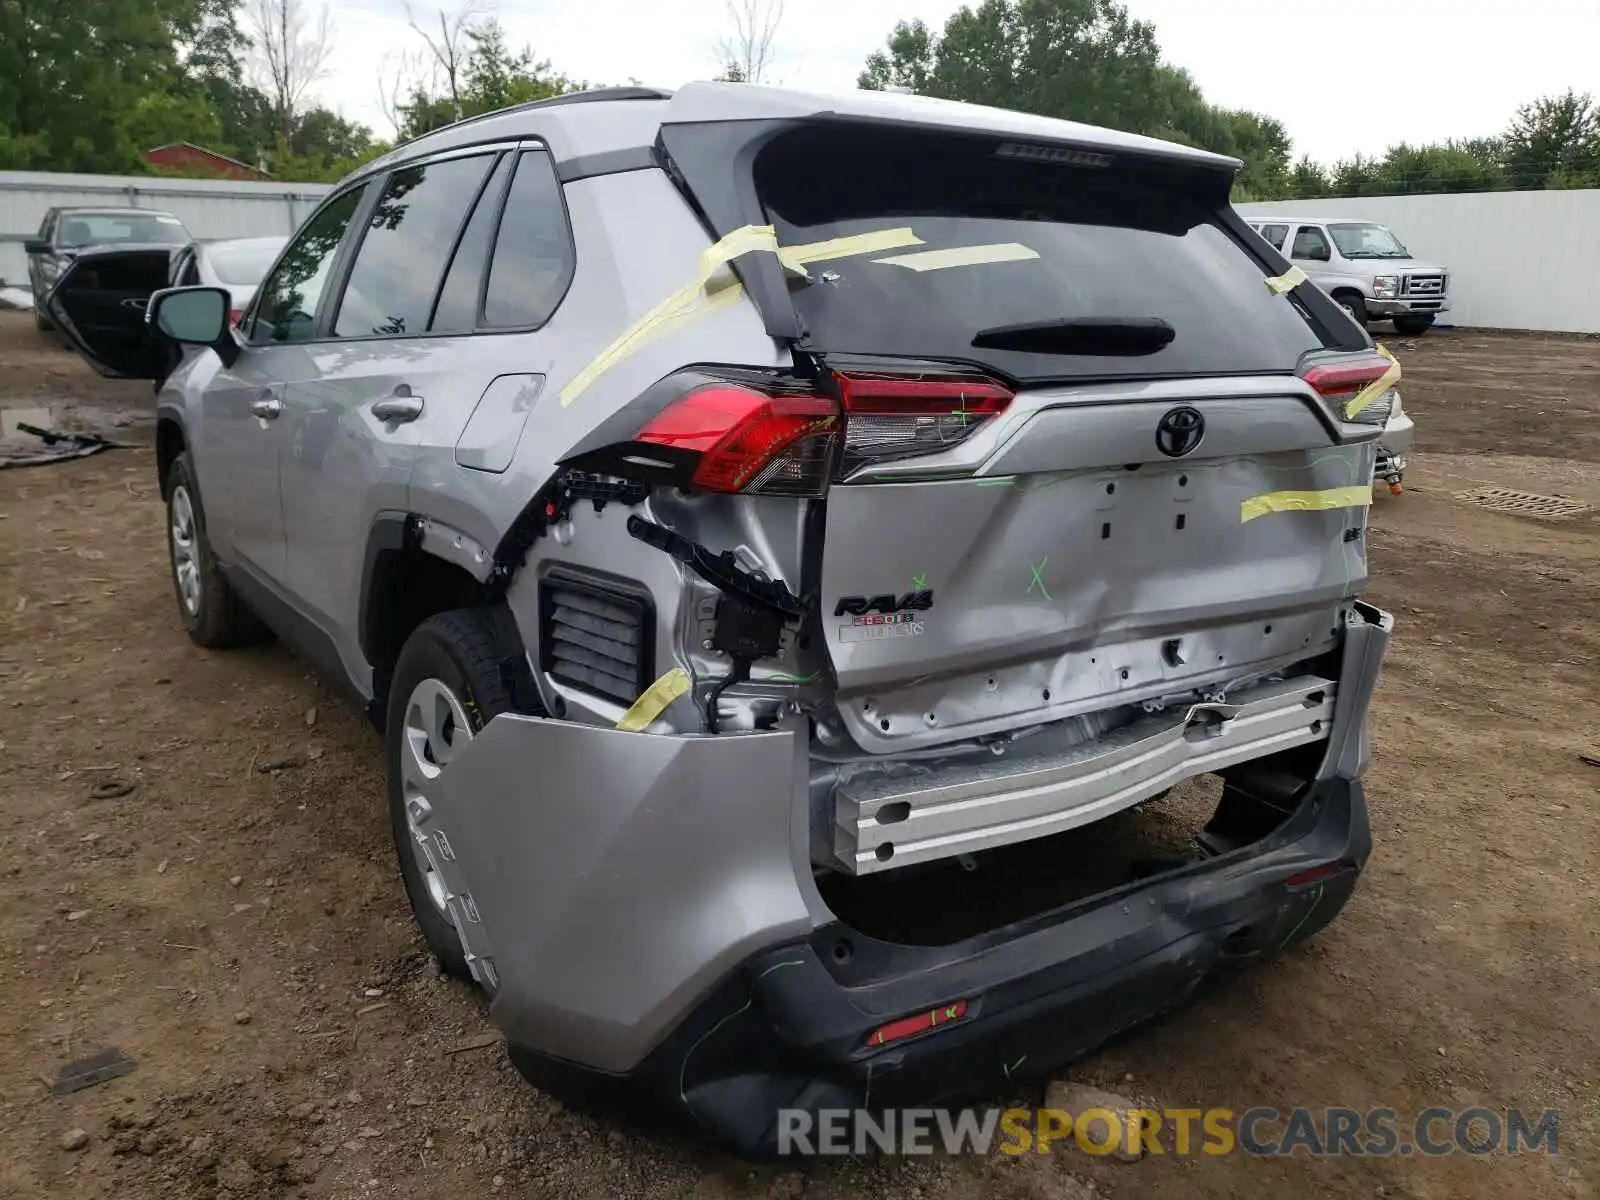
644 909
603 882
790 1030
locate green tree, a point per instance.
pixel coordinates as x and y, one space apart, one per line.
1084 60
498 78
906 62
71 72
1407 170
247 129
492 77
1554 141
1308 180
1262 144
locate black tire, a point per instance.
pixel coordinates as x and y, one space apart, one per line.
1354 304
1414 326
217 617
42 323
461 650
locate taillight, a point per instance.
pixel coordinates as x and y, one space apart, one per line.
749 441
1345 375
889 417
1356 384
733 430
234 315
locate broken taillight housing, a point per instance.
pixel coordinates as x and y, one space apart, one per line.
889 416
730 430
1341 379
746 440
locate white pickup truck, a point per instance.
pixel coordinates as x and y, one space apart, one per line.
1363 266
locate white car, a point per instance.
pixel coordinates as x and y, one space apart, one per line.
237 264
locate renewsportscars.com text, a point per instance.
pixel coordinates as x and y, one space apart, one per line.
1260 1131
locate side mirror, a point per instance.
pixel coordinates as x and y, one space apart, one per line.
1321 254
194 316
36 246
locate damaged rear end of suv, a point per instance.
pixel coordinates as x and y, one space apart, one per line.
1035 494
896 492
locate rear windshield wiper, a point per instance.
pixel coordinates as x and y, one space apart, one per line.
1080 335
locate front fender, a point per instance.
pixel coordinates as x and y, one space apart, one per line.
1338 281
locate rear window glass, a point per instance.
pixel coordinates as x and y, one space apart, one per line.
1033 242
244 262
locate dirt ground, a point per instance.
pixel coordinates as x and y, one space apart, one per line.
244 937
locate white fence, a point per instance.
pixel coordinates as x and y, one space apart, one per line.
210 208
1518 260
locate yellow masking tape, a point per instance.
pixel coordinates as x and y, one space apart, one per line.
700 297
1278 502
654 700
960 256
875 242
1374 389
1292 278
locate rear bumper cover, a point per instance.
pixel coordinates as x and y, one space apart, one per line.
634 901
789 1030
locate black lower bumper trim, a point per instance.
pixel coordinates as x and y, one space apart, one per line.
790 1029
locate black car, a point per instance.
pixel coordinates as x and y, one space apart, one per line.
65 232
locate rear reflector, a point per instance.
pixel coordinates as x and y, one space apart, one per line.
890 417
1318 874
748 441
906 1027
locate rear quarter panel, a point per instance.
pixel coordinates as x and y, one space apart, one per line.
637 242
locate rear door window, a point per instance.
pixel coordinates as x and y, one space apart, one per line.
457 307
1274 234
1002 243
402 255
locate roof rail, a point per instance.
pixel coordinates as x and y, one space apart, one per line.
593 95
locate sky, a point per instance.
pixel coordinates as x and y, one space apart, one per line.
1344 76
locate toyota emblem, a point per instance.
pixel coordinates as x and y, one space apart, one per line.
1180 431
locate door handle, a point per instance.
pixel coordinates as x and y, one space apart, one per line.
398 408
267 406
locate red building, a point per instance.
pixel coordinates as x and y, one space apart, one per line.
197 160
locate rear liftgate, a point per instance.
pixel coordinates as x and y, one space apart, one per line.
1146 608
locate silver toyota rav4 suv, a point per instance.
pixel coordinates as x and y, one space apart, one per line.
774 533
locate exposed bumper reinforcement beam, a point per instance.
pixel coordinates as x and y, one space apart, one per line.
892 823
